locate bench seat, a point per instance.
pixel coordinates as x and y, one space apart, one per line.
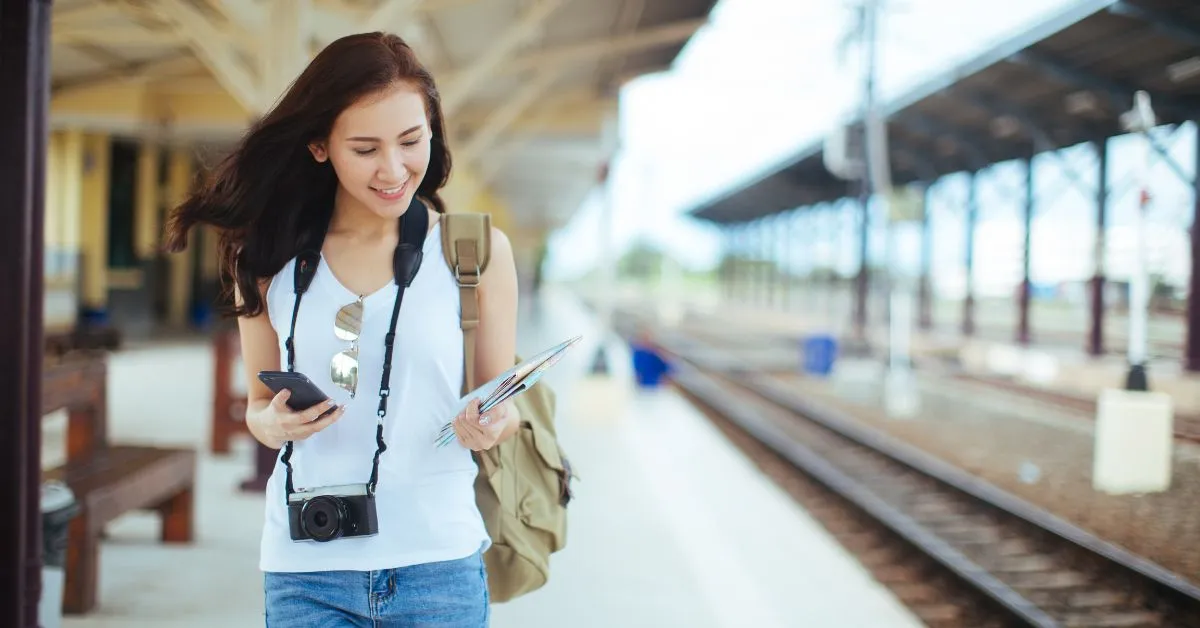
109 482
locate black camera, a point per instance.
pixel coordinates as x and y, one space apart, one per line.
332 512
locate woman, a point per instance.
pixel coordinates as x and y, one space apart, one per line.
350 153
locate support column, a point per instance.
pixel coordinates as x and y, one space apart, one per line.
925 282
285 56
775 233
771 226
762 279
833 286
734 234
1191 360
1026 289
52 216
25 75
756 253
1096 333
784 263
146 235
70 198
968 315
726 261
749 285
731 253
179 291
59 308
210 281
798 249
862 283
63 309
97 152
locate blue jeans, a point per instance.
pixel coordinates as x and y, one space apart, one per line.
448 594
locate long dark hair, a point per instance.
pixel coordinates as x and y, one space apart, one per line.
269 195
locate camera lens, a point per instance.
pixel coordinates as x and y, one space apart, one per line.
322 518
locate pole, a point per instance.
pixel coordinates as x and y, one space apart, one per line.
1141 120
1023 301
871 149
925 294
1191 358
968 313
1096 333
900 388
604 314
24 72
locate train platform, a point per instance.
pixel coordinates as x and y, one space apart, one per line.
1055 361
1031 447
671 525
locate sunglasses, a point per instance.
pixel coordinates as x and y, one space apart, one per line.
343 369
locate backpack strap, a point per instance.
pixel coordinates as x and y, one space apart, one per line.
467 247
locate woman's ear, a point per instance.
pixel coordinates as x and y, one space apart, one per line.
318 151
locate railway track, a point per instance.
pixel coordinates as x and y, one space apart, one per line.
1186 426
915 520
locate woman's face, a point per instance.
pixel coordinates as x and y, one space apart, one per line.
379 148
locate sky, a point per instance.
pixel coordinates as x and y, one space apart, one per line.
764 78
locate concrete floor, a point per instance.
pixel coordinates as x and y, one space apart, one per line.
671 526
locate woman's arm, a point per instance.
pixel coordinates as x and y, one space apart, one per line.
268 418
260 352
496 336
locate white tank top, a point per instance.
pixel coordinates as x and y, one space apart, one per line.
425 496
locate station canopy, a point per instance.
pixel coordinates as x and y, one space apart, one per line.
527 85
1063 82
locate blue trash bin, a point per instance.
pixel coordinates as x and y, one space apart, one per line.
820 353
93 317
648 366
201 315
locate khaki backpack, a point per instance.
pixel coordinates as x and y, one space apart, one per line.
523 484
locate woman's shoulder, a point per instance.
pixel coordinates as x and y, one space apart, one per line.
281 280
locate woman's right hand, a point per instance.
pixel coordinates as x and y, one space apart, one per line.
276 423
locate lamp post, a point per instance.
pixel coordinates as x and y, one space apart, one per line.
607 272
1140 119
1134 433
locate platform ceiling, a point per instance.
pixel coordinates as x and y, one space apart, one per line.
1061 83
527 84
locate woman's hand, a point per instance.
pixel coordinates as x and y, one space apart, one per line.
276 423
480 433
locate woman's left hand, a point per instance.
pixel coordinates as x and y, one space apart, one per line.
480 433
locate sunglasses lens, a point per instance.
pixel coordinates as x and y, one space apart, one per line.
349 322
343 370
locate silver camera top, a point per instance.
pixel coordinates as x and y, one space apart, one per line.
342 490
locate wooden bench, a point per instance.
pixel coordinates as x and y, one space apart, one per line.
63 341
229 407
108 480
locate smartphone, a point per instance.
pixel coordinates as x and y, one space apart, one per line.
305 394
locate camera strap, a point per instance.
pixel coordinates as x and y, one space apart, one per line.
406 261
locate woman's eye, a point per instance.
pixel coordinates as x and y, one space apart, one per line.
411 143
364 151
